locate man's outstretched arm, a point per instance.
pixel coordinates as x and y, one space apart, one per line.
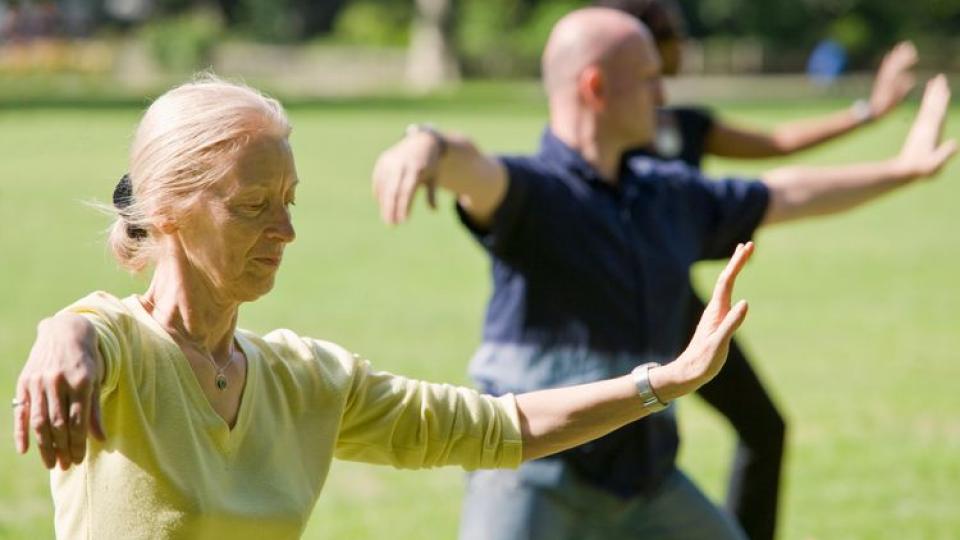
799 191
431 159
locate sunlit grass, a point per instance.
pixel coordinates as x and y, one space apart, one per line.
853 322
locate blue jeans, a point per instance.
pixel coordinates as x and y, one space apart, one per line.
544 500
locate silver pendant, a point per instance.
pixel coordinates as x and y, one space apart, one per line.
221 381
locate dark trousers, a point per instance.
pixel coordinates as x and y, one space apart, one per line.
738 394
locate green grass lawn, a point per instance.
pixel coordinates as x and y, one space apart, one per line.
854 321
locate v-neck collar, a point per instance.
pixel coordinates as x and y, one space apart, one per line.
228 438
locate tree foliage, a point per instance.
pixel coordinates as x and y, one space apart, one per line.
865 27
505 36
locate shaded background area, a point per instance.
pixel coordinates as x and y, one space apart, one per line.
345 47
854 321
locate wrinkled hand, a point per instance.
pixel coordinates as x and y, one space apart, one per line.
707 351
400 170
922 153
894 78
59 392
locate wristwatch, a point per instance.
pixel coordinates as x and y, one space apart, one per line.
432 131
862 111
641 379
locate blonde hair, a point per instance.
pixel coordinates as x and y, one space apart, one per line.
185 142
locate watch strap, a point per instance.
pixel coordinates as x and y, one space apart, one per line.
641 378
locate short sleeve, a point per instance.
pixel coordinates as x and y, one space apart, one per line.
727 211
405 423
695 123
105 313
516 212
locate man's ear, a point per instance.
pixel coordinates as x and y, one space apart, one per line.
591 86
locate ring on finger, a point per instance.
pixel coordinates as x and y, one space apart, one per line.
15 403
46 444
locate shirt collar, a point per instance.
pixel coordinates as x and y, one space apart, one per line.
558 154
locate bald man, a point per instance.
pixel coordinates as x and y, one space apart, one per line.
591 256
688 133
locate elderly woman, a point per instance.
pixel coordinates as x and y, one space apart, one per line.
200 429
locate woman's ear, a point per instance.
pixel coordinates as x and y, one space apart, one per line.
165 224
592 88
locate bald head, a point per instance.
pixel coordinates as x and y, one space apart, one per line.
601 72
592 37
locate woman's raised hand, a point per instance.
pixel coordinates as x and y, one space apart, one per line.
707 351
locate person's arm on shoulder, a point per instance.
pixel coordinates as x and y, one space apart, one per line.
893 82
58 392
801 191
561 418
432 159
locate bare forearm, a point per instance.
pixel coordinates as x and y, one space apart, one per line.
802 134
561 418
427 158
478 180
798 191
894 80
736 142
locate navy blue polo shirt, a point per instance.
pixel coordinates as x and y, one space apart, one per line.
591 279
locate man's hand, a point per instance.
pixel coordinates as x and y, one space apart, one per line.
707 351
58 391
923 154
894 78
400 170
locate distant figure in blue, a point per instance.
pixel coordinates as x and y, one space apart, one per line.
826 62
591 248
688 133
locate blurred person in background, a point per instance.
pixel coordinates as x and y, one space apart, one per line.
204 430
591 248
688 133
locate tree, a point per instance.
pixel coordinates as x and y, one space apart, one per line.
431 59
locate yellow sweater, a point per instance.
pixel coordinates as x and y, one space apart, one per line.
172 468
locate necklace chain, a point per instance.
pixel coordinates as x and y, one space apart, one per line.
220 369
220 379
